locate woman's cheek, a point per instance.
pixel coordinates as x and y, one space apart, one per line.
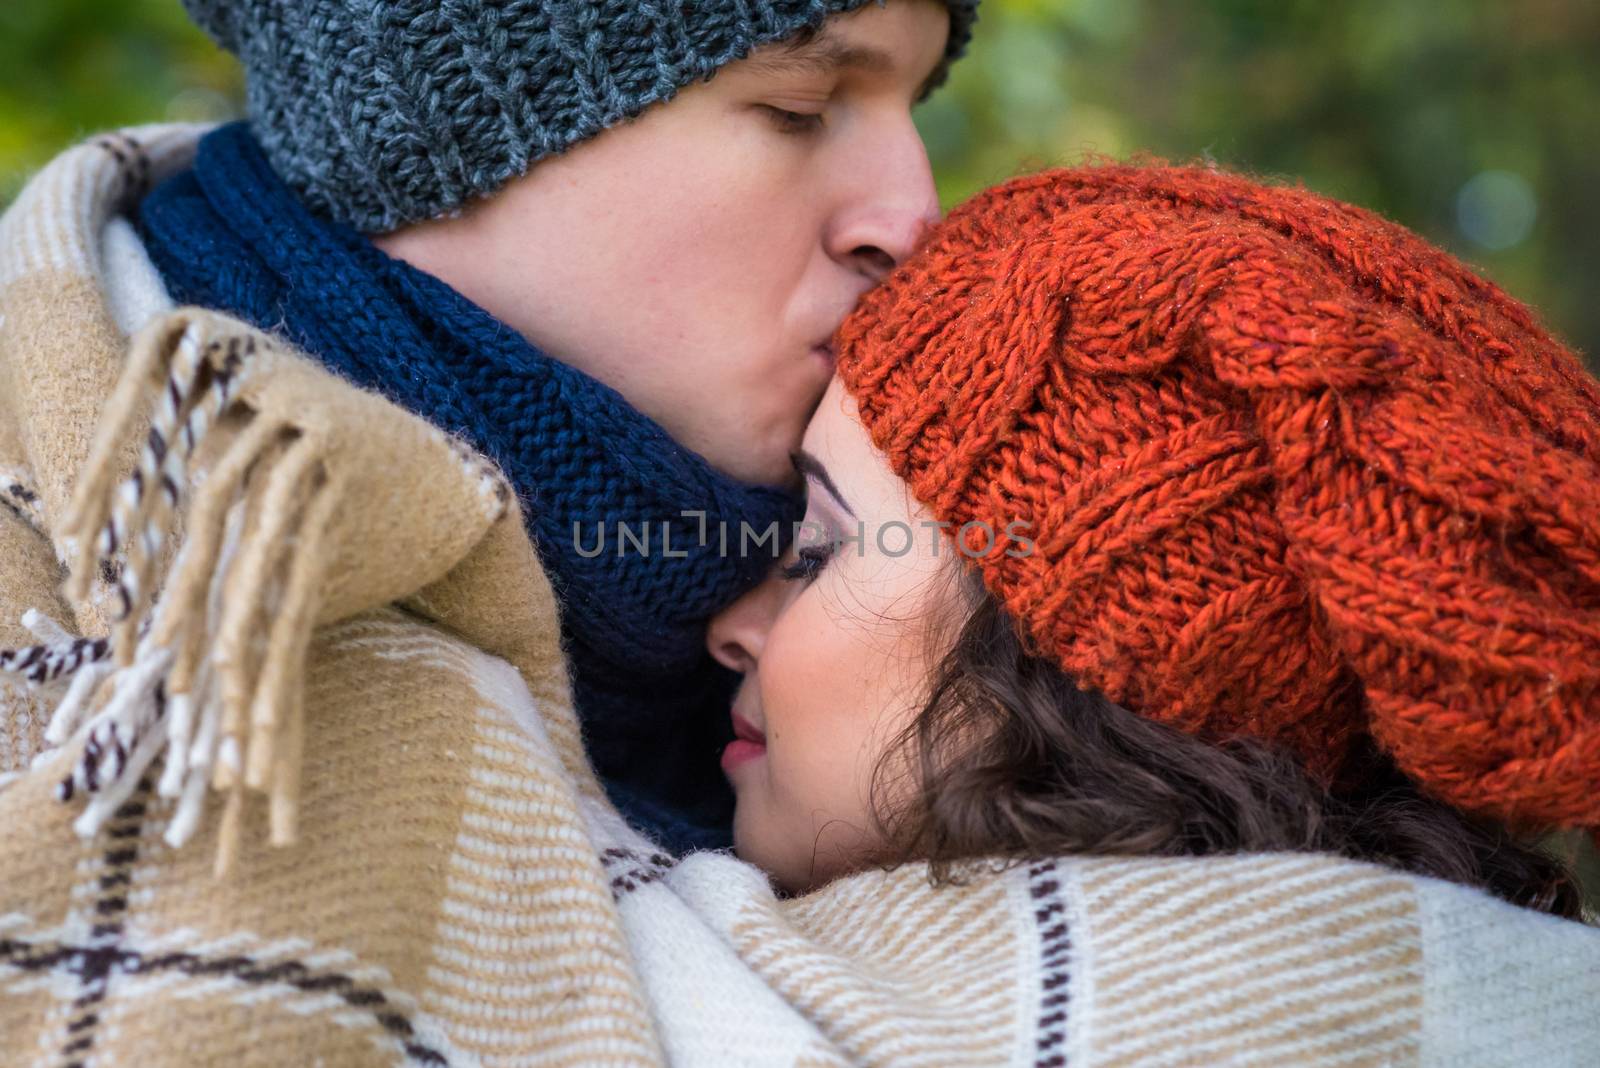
814 687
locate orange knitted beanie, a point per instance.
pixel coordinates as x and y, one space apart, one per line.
1290 472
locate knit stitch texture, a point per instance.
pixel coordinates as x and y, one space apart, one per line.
428 876
380 114
459 892
229 235
1291 472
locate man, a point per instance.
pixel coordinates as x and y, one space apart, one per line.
695 259
602 246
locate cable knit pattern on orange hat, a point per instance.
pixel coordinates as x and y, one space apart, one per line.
1290 471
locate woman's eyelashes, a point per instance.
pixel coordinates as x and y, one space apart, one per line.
809 561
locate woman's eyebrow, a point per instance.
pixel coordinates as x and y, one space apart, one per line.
810 467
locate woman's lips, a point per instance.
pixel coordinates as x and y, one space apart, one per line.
743 728
739 752
748 744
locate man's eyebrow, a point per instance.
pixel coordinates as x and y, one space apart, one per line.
810 467
824 55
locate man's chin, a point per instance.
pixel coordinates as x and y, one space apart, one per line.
760 464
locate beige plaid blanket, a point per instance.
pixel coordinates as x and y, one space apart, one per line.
289 775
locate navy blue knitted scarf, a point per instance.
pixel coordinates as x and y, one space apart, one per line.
229 235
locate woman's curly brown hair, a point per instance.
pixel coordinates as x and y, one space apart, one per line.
1009 759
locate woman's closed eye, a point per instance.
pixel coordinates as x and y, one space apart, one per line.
811 558
808 563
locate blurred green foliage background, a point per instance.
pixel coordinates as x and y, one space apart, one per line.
1475 122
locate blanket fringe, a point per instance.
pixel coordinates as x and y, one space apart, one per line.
205 664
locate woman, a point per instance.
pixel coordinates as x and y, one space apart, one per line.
1208 585
1278 532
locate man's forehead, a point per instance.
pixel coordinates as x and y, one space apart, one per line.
827 52
838 46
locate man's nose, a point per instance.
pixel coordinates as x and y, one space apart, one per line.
891 203
738 634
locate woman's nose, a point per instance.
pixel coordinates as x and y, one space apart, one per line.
738 633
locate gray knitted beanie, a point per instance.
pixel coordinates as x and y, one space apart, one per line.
384 112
